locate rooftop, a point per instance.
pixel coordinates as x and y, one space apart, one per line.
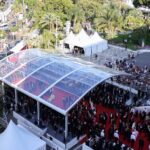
57 81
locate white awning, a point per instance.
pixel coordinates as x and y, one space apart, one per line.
19 138
91 44
70 39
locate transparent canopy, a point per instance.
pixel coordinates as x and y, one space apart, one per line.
57 81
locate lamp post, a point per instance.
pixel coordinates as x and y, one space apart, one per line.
125 42
56 33
91 55
23 8
23 12
1 35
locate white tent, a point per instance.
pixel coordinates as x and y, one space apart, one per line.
82 36
90 44
70 40
99 42
82 41
19 138
19 46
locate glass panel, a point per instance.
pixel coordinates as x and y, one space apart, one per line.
71 63
59 98
15 77
59 68
87 78
41 61
28 68
100 73
14 61
46 76
33 85
5 69
25 70
73 86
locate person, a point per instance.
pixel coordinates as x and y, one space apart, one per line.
141 144
102 134
133 139
116 135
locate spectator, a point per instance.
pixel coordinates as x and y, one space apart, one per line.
141 144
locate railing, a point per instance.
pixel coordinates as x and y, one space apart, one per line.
29 125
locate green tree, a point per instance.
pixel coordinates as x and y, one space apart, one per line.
134 19
142 3
48 22
76 16
109 20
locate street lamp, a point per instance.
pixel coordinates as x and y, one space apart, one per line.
1 47
56 33
23 8
91 55
23 12
125 41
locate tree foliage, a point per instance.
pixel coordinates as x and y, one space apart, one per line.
107 16
142 3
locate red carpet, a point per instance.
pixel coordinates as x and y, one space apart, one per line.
59 95
101 109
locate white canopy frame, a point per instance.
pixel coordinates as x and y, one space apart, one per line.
91 44
17 137
102 72
79 65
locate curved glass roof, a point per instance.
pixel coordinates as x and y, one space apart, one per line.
57 81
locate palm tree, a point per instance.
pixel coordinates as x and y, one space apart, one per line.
50 21
108 20
77 16
134 19
50 25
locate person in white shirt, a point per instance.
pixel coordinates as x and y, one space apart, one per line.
116 134
102 134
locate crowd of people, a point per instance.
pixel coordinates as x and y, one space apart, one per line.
109 130
140 78
9 100
102 114
27 106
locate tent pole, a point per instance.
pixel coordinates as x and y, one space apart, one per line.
38 112
16 99
91 55
4 101
3 98
66 127
3 90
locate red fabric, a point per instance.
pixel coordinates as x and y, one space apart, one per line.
101 109
13 59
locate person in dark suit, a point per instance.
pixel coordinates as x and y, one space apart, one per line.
141 144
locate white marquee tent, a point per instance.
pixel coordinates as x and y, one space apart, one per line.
91 44
99 42
70 40
18 138
19 46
